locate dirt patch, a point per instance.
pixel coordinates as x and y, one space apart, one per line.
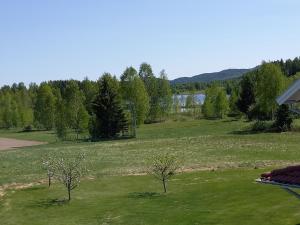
9 143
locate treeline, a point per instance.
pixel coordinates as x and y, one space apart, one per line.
289 67
106 108
228 85
254 96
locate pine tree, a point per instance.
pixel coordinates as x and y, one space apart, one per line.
109 118
247 93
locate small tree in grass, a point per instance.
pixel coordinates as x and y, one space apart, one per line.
49 165
164 167
70 170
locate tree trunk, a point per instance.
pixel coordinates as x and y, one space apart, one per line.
69 193
49 181
165 188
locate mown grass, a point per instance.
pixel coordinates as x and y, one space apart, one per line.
226 196
221 197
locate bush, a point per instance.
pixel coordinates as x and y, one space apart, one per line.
283 119
28 128
259 126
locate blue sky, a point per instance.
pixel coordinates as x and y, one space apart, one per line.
59 39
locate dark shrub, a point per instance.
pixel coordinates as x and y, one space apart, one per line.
283 119
28 128
260 126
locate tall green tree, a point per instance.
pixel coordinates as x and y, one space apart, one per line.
134 93
221 104
246 96
44 109
151 84
109 119
61 124
6 109
270 82
89 89
77 114
233 99
215 103
164 95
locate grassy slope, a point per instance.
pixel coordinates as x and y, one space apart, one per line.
226 196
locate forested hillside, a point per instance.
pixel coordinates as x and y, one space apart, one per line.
208 77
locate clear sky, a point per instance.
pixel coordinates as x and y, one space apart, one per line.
59 39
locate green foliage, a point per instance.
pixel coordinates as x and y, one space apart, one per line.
134 93
89 89
221 104
77 115
164 95
215 103
109 118
247 93
270 82
283 119
260 126
61 124
44 107
151 84
233 99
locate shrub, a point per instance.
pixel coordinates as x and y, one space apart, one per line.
259 126
28 128
283 119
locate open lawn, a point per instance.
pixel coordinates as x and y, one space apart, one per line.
216 187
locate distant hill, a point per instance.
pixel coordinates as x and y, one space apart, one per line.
208 77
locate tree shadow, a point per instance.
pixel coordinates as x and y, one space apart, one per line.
47 203
149 195
34 188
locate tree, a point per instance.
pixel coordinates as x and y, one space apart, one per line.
189 102
145 73
270 82
89 89
208 108
215 103
134 93
70 169
61 119
48 163
76 113
164 167
151 84
247 94
233 103
44 107
221 104
164 94
283 119
109 118
6 111
176 105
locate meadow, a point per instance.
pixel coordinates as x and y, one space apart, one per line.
220 162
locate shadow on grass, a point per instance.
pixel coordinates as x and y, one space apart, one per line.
47 203
144 195
34 188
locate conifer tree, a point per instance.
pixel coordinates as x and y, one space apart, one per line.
109 118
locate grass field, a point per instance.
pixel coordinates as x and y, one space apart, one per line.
220 163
